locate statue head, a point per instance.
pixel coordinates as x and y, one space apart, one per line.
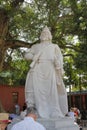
45 35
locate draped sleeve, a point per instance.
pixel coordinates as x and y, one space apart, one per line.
30 54
58 60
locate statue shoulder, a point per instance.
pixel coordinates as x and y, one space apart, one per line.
55 46
35 46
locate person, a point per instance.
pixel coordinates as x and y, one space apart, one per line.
71 113
24 106
77 112
29 122
14 121
4 120
17 109
44 87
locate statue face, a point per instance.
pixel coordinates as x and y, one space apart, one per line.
46 35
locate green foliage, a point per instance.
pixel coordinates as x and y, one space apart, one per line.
67 20
16 74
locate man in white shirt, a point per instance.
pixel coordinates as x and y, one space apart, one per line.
29 122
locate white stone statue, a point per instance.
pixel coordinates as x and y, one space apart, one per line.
44 88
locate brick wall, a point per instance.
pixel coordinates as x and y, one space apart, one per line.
7 95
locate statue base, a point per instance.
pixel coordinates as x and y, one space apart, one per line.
65 123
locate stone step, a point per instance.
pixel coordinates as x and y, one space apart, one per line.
65 123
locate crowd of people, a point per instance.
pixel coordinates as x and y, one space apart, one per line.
74 113
27 119
23 121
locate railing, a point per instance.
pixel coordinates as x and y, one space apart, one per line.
83 123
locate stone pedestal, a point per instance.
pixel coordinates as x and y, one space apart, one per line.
65 123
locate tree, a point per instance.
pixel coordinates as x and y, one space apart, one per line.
20 26
8 11
65 19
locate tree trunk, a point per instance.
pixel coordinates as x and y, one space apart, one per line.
4 20
2 56
3 34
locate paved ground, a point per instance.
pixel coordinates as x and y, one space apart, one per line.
84 128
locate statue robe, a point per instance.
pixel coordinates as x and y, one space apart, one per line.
44 86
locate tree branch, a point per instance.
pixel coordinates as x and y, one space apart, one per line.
18 43
15 3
